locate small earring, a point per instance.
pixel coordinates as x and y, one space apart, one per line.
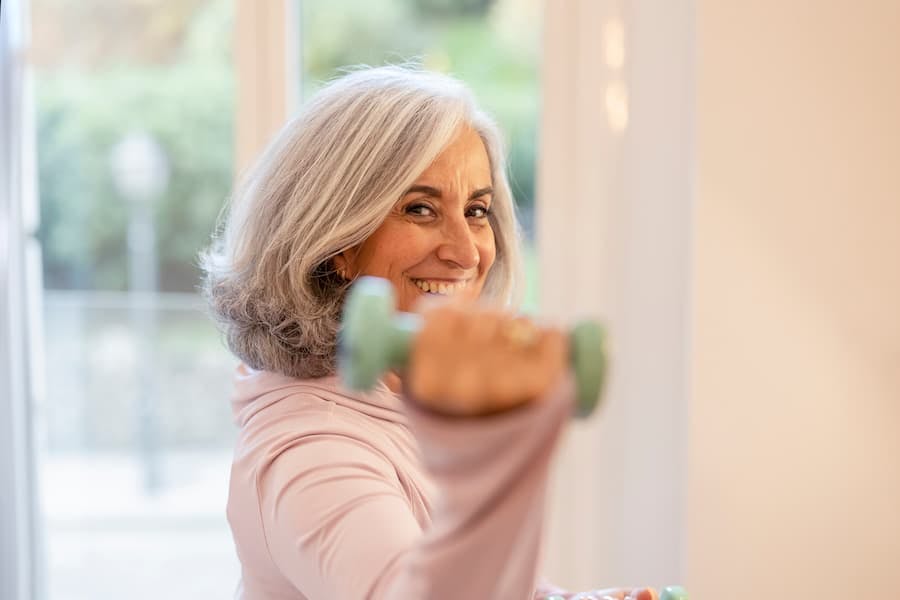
343 274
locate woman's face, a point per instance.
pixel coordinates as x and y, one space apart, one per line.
437 238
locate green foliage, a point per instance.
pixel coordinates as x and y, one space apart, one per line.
450 8
341 33
467 41
187 104
188 107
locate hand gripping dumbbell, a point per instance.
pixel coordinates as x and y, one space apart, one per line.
670 593
375 338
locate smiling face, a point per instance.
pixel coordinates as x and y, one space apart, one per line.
437 238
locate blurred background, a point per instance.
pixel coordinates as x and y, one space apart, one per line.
134 114
717 180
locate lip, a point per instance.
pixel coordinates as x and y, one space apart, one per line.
441 279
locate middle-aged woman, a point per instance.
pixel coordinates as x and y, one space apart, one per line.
431 486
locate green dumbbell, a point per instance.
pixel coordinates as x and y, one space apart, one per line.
675 592
375 338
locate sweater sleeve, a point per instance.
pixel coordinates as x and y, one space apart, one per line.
338 524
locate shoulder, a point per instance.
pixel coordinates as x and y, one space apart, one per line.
305 428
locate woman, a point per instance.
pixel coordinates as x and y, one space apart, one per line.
432 485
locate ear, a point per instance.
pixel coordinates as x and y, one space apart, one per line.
343 263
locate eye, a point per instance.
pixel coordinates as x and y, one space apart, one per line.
478 211
419 210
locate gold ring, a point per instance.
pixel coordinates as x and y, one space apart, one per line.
520 332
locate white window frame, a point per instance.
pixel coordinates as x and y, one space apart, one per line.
266 51
20 565
614 208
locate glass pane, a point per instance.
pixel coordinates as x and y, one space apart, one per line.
492 45
134 109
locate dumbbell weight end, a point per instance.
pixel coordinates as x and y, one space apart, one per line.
675 592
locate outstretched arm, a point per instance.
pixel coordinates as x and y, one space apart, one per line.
338 524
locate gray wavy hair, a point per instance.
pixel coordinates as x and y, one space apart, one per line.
324 184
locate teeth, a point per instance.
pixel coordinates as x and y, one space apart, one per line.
440 287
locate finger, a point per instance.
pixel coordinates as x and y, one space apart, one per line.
549 359
520 334
473 333
644 594
446 318
554 347
485 327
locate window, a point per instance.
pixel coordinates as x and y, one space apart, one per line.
134 105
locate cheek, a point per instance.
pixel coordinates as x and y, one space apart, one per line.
392 250
487 250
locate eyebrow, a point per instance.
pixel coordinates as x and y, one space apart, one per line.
436 193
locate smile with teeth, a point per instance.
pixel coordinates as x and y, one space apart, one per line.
444 288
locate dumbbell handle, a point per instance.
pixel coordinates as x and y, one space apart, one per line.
375 338
405 327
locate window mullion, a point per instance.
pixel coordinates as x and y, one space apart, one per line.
18 564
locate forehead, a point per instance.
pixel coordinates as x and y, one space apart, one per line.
465 156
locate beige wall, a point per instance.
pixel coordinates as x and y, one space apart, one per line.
794 456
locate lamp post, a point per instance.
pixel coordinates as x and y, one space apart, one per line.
140 173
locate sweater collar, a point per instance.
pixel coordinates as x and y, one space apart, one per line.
255 390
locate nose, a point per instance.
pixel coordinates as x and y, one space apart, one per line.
458 244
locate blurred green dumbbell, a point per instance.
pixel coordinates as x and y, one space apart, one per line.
375 338
675 592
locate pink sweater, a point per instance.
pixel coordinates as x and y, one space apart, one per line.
343 496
